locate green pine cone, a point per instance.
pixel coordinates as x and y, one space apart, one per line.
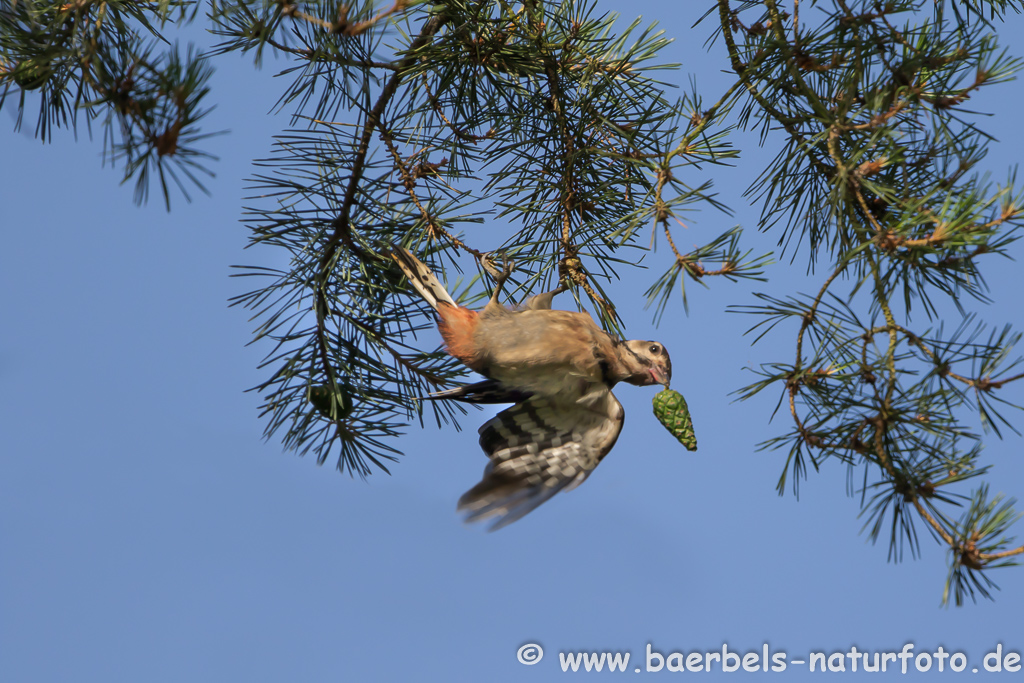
30 76
670 409
324 398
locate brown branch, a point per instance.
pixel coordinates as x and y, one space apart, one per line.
342 26
808 93
459 133
307 53
696 268
570 267
878 119
883 456
796 23
342 233
704 119
409 182
808 319
941 231
935 525
342 225
988 557
1000 383
725 17
978 383
809 316
947 101
968 553
290 10
967 550
880 233
742 70
568 193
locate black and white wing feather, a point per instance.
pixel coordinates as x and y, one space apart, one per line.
537 448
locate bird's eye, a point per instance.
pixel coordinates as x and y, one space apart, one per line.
655 348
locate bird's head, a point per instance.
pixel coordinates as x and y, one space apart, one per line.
648 363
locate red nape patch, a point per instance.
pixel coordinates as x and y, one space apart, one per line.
457 325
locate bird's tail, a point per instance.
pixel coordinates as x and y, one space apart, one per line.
489 391
422 280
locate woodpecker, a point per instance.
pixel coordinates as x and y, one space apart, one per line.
558 368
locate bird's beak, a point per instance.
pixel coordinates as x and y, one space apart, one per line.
660 376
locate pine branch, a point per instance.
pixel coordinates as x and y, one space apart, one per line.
896 220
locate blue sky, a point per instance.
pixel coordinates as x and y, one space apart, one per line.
149 533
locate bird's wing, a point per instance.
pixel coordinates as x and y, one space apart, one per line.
537 448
